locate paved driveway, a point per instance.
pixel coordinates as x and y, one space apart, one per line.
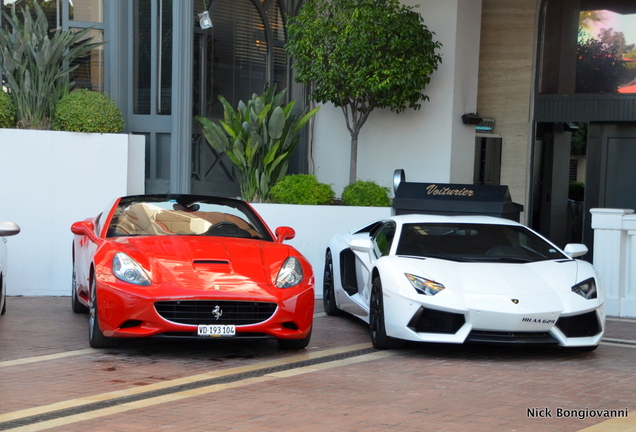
51 380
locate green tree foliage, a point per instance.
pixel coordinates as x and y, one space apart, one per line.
259 138
579 140
362 55
88 111
34 64
599 66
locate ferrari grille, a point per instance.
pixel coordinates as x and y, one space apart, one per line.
434 321
583 325
195 312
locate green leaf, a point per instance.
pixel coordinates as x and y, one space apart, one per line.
276 123
304 119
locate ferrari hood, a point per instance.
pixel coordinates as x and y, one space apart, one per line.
207 262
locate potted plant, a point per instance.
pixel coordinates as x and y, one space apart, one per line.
36 65
259 138
66 174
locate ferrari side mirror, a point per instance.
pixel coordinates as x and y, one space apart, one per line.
85 228
284 233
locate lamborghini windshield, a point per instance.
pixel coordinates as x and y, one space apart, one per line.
475 242
185 215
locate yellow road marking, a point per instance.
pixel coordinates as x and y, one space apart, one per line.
623 424
47 357
175 382
196 392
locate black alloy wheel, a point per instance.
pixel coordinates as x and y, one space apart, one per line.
328 291
3 297
295 343
96 338
377 328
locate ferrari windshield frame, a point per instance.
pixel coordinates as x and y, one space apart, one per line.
185 215
474 242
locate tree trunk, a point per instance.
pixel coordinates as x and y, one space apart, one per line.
353 164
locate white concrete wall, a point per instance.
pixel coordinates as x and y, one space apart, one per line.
315 225
48 180
432 144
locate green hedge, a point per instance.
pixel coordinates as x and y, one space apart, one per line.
7 111
366 193
87 111
302 189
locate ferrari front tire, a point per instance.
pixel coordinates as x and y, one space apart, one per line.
377 328
328 288
96 338
294 343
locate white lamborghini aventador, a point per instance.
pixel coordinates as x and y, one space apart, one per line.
459 279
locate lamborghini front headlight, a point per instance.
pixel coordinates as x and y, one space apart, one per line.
423 285
586 289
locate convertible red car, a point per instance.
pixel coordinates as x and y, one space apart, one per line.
186 266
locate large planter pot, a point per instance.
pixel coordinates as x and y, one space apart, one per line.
49 180
315 225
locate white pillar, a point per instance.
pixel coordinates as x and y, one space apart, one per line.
628 303
610 250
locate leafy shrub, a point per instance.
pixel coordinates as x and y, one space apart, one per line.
259 138
36 62
302 189
87 111
576 191
366 193
7 111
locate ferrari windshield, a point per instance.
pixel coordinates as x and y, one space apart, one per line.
185 215
475 242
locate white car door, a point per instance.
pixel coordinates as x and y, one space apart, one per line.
378 246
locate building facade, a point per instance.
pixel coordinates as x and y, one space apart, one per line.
516 64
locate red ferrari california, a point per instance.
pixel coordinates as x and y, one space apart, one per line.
186 266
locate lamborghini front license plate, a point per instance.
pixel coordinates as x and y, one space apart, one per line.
205 330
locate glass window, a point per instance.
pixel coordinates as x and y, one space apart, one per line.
165 63
185 215
606 52
383 239
588 47
475 242
90 68
142 58
86 10
163 156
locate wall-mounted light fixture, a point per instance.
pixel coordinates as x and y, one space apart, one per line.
570 127
471 119
486 125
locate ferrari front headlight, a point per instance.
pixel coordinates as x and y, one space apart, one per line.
424 286
586 289
290 274
126 269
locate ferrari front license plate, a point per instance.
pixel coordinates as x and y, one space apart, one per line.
216 330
